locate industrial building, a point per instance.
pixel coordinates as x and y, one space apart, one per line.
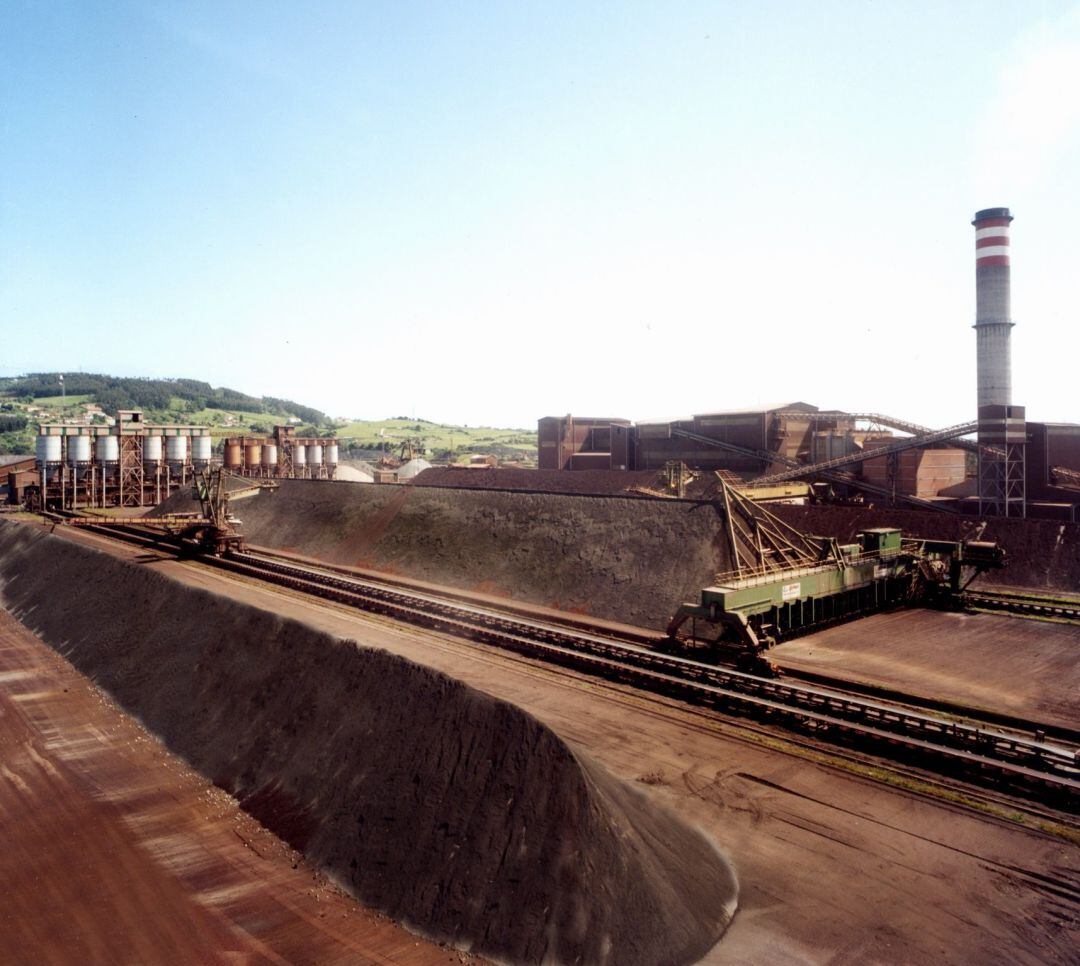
16 473
752 443
576 443
788 442
1022 467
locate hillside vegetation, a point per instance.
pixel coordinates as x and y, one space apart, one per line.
436 441
41 397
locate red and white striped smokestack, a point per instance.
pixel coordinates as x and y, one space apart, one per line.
993 322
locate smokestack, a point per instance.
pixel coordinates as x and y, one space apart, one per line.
1002 428
993 321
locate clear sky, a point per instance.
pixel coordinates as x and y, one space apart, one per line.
490 212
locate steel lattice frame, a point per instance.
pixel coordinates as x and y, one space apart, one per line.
131 469
1001 481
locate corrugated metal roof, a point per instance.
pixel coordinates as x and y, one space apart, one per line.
795 406
662 422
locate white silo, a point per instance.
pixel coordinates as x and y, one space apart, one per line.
176 449
47 450
200 449
152 449
107 449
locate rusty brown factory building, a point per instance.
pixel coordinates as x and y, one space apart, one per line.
760 440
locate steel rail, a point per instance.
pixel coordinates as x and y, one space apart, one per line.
1030 605
1055 764
651 640
1030 765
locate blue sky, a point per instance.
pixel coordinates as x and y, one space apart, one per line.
488 213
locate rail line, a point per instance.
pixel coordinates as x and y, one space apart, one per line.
1022 762
654 639
1025 604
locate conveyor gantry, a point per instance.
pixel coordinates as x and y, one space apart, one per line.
880 419
910 442
836 476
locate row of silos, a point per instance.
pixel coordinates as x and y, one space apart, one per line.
255 457
105 450
51 452
315 454
177 449
239 456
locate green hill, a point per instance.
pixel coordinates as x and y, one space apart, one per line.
36 398
438 441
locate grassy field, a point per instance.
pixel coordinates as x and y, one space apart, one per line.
238 421
56 402
372 434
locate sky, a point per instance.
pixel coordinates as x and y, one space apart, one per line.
487 213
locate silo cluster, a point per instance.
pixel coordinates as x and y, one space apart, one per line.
74 465
316 458
130 463
281 456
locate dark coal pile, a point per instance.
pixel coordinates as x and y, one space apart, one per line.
621 558
459 814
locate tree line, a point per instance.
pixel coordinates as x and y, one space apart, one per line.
123 392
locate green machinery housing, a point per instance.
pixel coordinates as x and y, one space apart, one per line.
786 582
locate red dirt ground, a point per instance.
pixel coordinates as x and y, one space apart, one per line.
435 803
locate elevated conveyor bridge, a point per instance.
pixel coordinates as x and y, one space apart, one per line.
833 475
908 442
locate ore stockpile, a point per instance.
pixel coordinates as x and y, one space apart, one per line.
626 557
456 813
618 557
608 553
427 761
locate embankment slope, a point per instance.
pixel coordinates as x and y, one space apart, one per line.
447 809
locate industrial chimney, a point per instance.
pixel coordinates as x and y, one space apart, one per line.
993 322
1002 429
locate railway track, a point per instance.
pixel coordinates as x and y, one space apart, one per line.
1027 605
1020 760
